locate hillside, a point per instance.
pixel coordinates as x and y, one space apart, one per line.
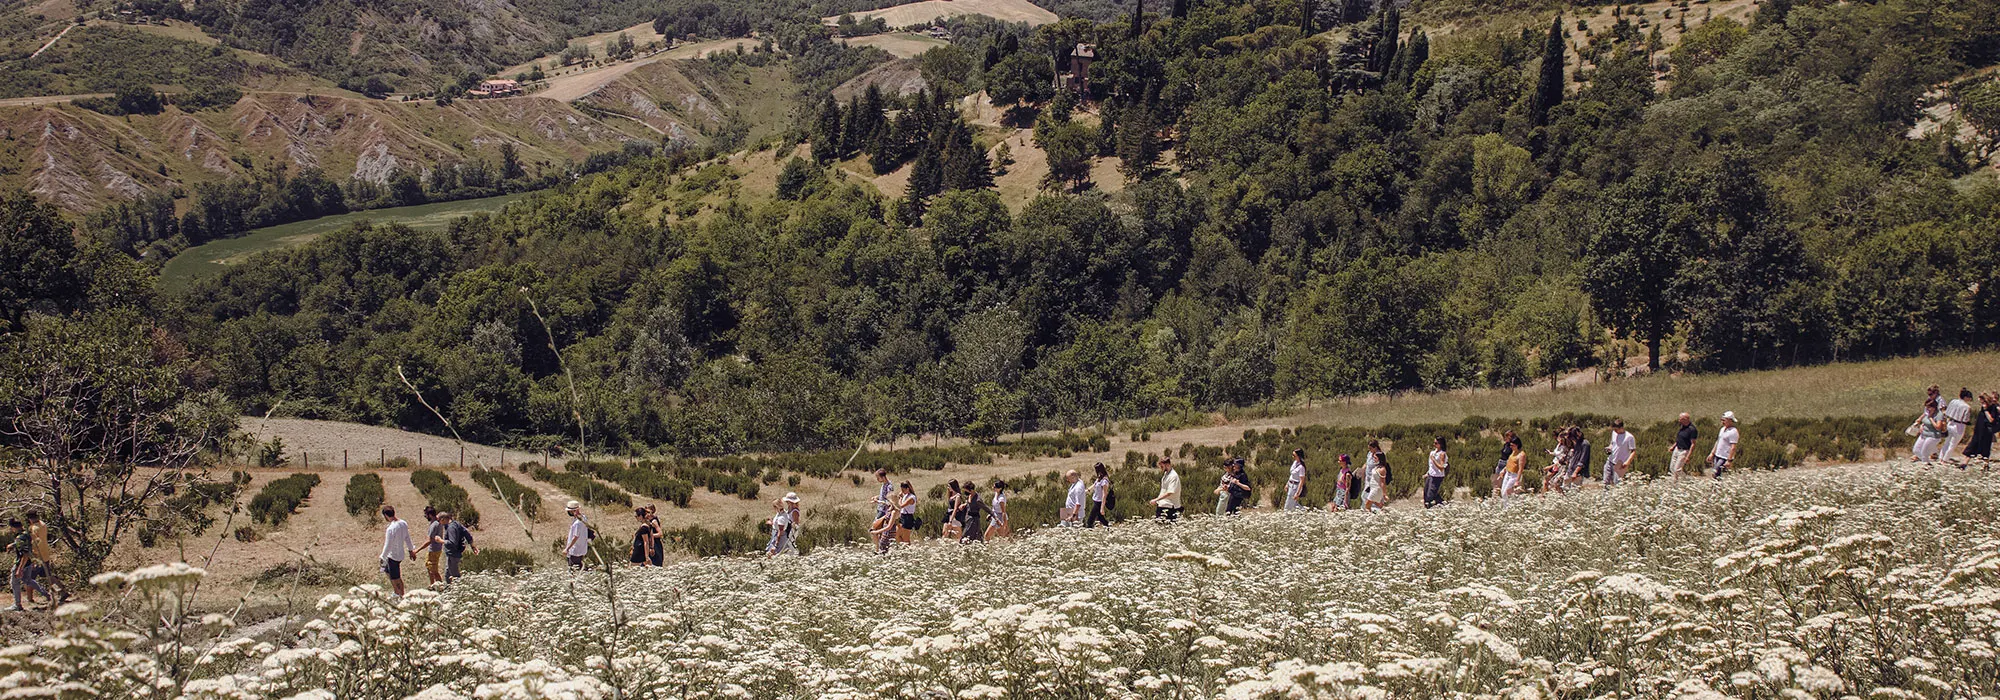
83 160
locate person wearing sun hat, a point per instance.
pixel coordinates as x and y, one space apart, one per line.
578 543
785 527
1724 453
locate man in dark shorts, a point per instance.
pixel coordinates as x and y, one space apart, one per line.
395 548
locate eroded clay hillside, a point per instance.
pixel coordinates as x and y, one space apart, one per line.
83 160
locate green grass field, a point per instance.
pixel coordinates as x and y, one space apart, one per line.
1885 387
214 257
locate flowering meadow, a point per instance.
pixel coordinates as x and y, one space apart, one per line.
1866 582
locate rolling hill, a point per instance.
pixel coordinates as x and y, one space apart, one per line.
82 160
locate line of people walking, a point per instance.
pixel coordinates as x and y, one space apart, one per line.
1943 427
974 514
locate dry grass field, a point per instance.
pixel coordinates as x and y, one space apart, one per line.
899 44
925 12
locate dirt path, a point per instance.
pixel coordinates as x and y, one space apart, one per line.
53 40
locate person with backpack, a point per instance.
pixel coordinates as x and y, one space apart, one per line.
23 576
1342 483
1100 498
1375 493
578 543
456 539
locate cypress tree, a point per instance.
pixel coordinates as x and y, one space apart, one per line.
1306 8
1384 53
827 135
1138 19
1549 86
854 130
1180 9
1414 55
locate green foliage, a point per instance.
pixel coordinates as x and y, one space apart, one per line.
437 488
496 560
583 488
101 58
509 491
280 498
1341 216
364 494
642 479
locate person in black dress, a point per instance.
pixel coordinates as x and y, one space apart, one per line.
1985 424
646 540
659 535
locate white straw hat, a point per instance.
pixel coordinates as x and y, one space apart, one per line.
791 498
572 505
1729 415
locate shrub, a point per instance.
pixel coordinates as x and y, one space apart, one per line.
445 496
639 479
509 491
276 502
314 574
497 560
364 494
583 488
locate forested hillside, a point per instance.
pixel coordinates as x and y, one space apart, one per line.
1381 207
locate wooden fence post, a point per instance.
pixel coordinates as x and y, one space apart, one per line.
420 458
461 457
343 460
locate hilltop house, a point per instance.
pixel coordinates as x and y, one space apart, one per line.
495 88
1077 78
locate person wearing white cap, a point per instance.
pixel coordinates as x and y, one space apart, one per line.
785 527
1724 453
578 543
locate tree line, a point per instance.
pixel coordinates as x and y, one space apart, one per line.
1392 211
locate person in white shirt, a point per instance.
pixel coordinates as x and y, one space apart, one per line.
1724 453
1072 511
1957 415
1434 474
578 543
1295 484
395 548
1167 506
1618 455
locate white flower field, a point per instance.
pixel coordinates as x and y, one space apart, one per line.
1867 582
